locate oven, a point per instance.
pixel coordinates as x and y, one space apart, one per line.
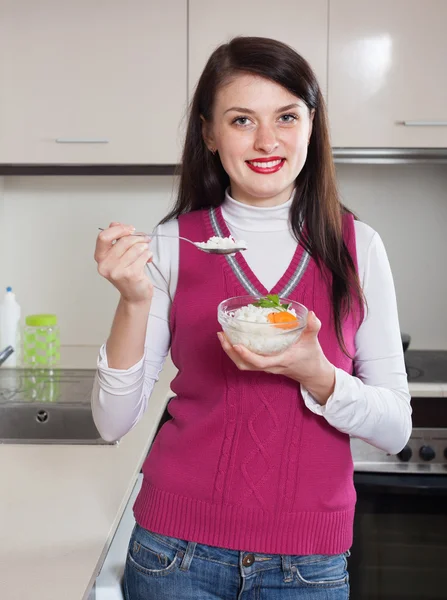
400 528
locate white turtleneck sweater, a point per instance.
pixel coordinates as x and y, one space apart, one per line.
374 405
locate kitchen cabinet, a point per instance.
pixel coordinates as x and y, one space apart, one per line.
299 23
387 74
86 82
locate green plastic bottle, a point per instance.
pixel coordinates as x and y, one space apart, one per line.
40 358
41 342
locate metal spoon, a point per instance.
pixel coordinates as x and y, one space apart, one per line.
196 244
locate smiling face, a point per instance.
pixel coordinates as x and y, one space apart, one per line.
261 132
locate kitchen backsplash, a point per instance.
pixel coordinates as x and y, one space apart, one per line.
48 227
407 205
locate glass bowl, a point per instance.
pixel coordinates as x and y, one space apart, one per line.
267 339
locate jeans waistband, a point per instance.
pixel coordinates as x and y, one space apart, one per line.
255 561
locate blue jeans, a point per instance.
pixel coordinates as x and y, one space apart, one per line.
165 568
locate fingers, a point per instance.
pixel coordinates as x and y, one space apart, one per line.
256 361
117 248
313 324
134 253
132 272
244 359
125 245
106 238
231 352
116 267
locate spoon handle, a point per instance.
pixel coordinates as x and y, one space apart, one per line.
151 235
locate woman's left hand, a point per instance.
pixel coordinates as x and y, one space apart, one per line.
304 362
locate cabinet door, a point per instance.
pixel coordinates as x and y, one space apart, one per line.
85 82
388 73
299 23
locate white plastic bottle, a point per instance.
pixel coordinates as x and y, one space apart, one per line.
10 326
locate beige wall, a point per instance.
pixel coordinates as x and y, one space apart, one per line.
48 227
407 205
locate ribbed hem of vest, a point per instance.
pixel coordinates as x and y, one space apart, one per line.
243 528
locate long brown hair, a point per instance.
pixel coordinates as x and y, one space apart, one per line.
203 180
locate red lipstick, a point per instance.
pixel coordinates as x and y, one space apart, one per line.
275 164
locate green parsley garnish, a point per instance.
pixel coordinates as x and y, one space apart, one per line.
271 301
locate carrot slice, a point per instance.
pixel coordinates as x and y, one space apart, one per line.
283 319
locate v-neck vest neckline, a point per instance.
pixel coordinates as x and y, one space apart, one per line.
216 226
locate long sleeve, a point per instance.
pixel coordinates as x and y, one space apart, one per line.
120 397
374 405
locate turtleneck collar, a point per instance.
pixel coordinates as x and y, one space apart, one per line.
256 218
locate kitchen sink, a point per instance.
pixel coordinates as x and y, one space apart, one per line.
47 407
36 423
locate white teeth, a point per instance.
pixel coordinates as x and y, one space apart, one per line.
265 165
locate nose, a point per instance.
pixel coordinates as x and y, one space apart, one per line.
265 140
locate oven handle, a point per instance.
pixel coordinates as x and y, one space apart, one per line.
401 483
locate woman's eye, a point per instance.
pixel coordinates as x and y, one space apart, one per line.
288 118
241 121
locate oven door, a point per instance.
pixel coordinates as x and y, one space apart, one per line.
400 537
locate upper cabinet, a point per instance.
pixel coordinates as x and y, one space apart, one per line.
299 23
84 82
388 73
107 82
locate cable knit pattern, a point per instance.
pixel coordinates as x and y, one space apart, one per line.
243 464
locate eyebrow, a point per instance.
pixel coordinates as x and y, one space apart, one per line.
252 112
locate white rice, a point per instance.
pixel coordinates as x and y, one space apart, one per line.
256 314
217 243
247 326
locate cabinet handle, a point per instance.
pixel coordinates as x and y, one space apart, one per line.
80 141
425 123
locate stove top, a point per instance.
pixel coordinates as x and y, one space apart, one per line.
426 451
426 366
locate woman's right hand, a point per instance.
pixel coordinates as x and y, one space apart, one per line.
123 263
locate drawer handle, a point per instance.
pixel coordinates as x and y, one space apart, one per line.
425 123
80 141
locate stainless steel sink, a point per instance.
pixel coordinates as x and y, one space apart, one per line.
49 407
35 423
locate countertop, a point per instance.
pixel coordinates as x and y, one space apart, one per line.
427 390
60 507
427 372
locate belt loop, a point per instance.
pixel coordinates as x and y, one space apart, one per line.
189 554
286 564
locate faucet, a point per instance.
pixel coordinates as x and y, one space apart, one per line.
6 353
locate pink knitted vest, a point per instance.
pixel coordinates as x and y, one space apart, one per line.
243 464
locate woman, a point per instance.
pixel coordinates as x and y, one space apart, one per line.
248 489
